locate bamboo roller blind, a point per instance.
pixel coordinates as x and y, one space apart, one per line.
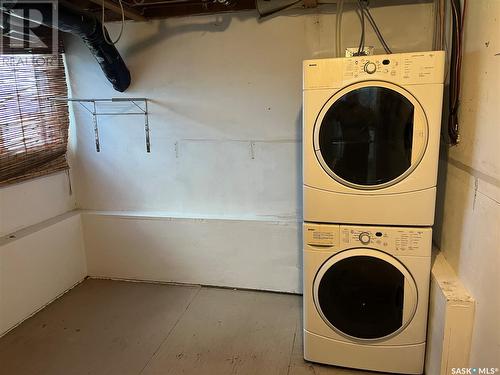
33 129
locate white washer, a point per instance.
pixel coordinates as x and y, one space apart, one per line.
371 138
366 296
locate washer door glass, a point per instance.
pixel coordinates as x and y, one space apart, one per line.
370 136
363 296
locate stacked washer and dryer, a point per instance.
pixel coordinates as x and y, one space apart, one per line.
371 142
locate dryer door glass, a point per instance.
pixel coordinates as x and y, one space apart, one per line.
366 136
362 296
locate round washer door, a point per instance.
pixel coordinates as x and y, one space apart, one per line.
370 135
365 294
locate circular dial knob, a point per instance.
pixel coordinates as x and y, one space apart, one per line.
364 238
370 67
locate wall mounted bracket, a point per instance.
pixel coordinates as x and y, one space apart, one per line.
90 105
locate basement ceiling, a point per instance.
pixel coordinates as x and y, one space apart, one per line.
143 10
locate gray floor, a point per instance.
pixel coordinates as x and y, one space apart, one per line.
112 327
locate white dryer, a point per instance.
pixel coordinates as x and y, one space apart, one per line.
366 296
371 138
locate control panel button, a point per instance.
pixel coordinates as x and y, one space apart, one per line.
364 238
370 67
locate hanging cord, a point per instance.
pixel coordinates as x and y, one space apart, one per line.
338 29
376 29
70 188
104 32
455 68
362 39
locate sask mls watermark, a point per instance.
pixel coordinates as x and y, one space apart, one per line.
474 370
29 26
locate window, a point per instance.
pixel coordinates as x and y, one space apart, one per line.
33 129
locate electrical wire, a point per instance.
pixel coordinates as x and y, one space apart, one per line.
104 31
439 9
338 28
377 30
455 69
362 39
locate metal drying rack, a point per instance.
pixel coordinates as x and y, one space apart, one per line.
142 110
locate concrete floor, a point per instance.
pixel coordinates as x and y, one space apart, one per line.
112 327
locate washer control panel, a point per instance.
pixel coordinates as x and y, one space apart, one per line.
364 236
398 241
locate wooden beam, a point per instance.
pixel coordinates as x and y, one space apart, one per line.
189 8
128 11
310 3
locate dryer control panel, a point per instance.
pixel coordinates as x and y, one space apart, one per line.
399 68
416 68
398 241
370 66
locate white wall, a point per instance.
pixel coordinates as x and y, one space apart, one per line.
41 250
468 229
39 264
33 201
216 84
225 117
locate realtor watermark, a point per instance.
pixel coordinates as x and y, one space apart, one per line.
29 26
474 370
25 60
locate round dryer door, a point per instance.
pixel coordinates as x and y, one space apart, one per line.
370 135
365 294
